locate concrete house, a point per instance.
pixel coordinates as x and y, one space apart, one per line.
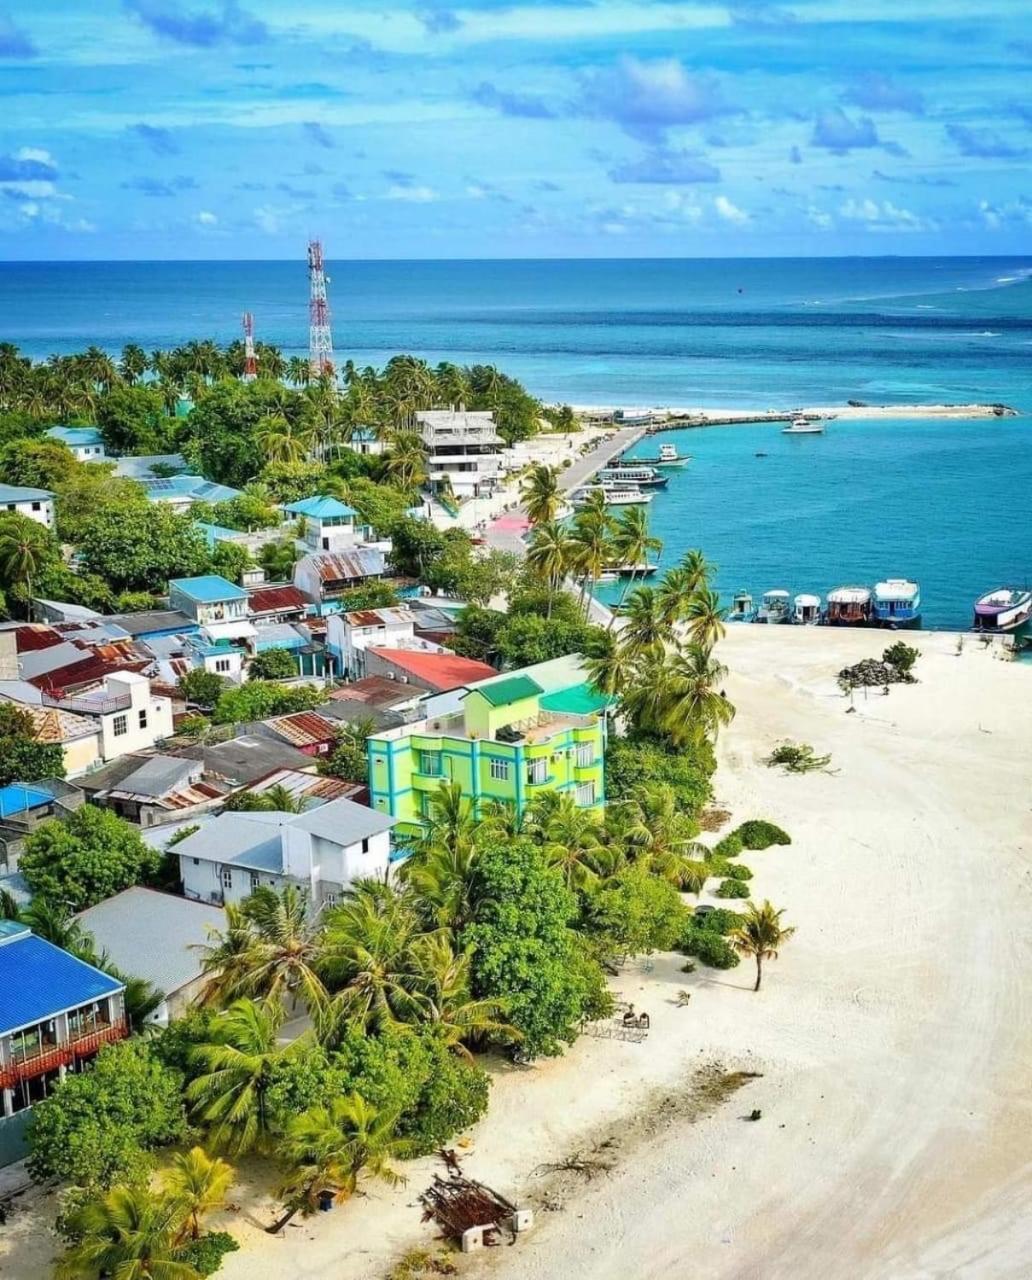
322 577
86 443
322 851
330 525
464 450
129 715
208 599
56 1013
152 790
181 492
23 806
35 504
508 740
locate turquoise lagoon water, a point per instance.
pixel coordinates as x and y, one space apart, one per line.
946 502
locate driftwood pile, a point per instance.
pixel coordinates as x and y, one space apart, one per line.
871 673
458 1203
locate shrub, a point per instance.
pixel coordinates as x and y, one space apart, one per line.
721 920
730 847
205 1254
732 889
797 757
708 947
273 664
734 870
901 656
759 834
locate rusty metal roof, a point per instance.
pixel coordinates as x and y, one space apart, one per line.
275 599
303 728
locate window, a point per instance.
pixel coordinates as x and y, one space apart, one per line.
36 506
143 719
430 763
120 726
365 845
222 665
255 880
586 795
585 756
227 877
537 771
500 770
197 862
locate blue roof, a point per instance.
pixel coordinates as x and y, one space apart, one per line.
39 980
196 487
208 589
16 798
320 507
216 533
364 434
17 493
75 435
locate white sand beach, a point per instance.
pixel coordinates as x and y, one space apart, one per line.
743 416
893 1035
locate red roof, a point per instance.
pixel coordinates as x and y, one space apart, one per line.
32 637
88 670
276 599
441 671
304 728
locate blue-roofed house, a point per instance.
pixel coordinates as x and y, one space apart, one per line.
330 525
34 504
181 492
208 598
86 443
56 1013
365 440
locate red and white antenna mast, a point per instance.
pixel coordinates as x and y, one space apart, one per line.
320 342
250 359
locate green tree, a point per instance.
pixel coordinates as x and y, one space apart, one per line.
542 497
329 1149
203 688
141 548
86 857
22 758
259 699
688 699
638 912
130 1233
760 934
347 760
551 554
25 549
133 420
687 771
704 618
416 546
273 664
99 1127
632 543
524 952
200 1183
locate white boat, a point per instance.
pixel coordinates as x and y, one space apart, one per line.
742 608
806 610
897 603
668 457
774 607
634 570
1005 609
632 474
615 495
804 427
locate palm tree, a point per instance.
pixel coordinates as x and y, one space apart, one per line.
631 543
541 495
299 371
24 551
230 1095
608 663
405 461
550 554
705 619
128 1233
270 950
331 1148
53 923
593 549
281 800
569 834
452 820
225 957
687 700
674 592
200 1183
645 625
446 1003
441 876
697 569
663 836
760 934
133 364
283 441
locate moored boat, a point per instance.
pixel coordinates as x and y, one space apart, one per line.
804 427
742 608
897 603
614 495
1004 610
774 607
628 474
806 610
667 457
634 570
849 607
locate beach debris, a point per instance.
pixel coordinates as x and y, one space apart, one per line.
683 998
587 1166
797 757
755 1114
472 1214
896 667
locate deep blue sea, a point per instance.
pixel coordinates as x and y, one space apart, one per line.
944 501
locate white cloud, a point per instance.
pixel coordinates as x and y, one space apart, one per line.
416 194
818 218
730 212
883 216
683 206
36 153
206 218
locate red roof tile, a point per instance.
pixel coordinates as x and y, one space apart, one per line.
275 599
442 671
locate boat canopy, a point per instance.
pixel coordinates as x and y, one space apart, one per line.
776 594
895 589
849 595
808 601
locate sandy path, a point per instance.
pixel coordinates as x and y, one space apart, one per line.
894 1031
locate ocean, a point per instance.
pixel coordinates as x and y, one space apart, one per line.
943 501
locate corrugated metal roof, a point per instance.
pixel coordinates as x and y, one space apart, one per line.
442 671
303 728
375 691
30 638
151 621
501 693
346 566
38 980
275 599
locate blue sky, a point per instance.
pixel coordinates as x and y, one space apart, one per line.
236 128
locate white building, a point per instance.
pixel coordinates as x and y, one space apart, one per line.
35 504
464 450
348 635
329 524
322 851
86 443
129 716
323 576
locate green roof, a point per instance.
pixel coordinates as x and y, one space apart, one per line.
576 700
500 693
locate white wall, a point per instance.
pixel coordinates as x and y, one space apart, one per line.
147 719
41 511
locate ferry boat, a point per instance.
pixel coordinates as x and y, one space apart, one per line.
806 610
804 427
615 495
850 607
1004 610
667 457
774 607
897 603
634 570
742 608
628 474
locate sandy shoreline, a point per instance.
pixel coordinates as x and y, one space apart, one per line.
893 1035
701 416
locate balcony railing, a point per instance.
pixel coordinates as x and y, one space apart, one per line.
97 704
82 1045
